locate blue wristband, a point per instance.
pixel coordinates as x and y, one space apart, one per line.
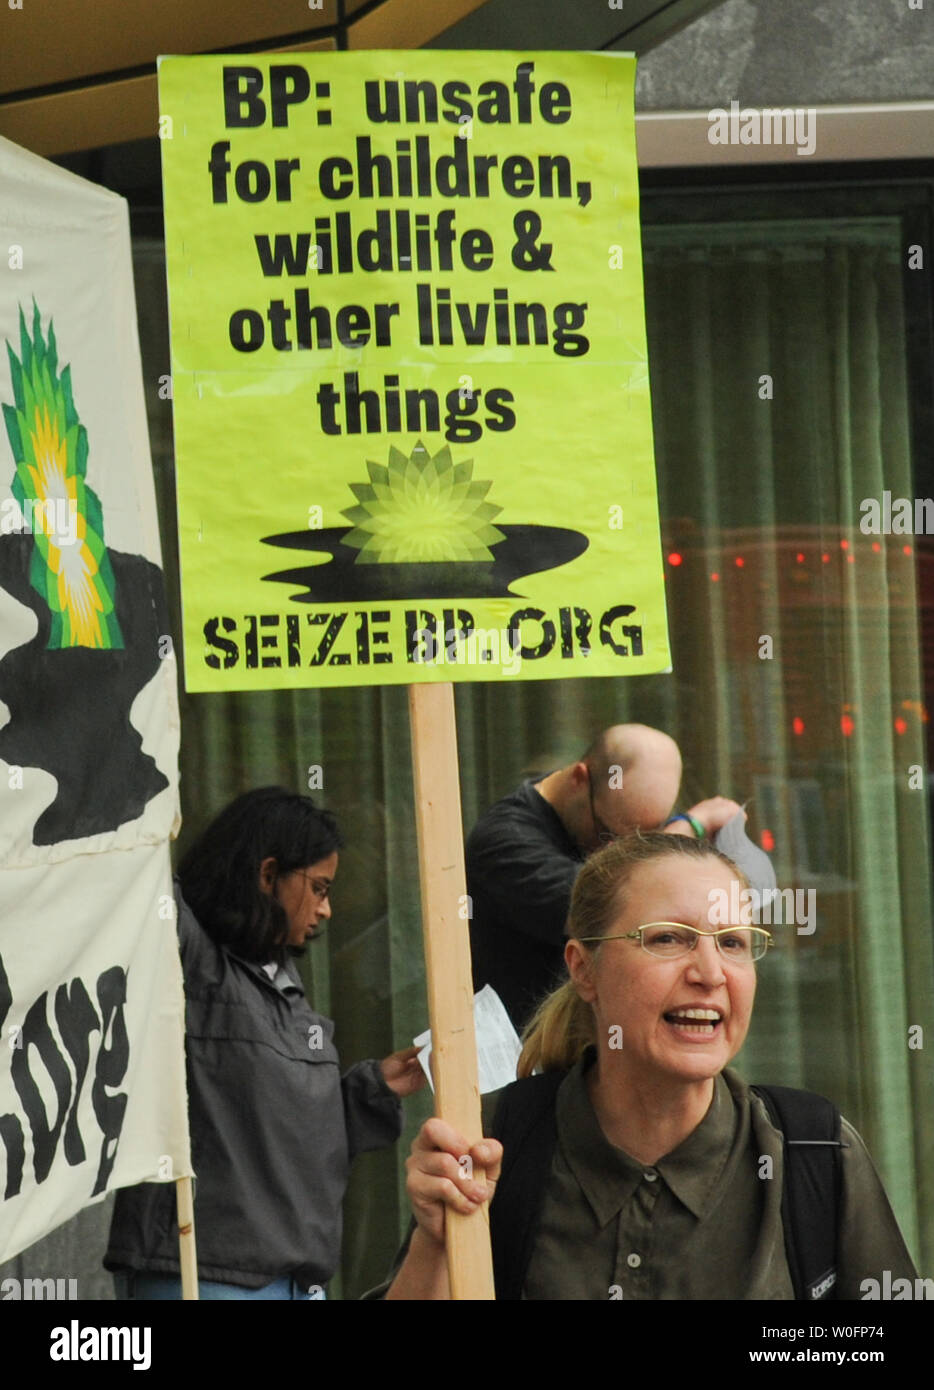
692 821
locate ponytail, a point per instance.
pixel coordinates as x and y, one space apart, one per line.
558 1033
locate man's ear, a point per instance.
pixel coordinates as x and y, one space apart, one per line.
579 962
580 776
267 875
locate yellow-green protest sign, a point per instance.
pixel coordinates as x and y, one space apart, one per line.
410 386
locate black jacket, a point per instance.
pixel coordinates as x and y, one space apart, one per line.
273 1129
521 866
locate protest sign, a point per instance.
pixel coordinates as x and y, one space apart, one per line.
411 400
412 418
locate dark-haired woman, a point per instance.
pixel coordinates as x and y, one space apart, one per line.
273 1124
637 1165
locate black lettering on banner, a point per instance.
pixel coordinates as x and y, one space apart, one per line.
583 629
378 638
269 639
250 643
368 635
391 102
501 417
335 621
112 1062
549 634
77 1020
284 255
11 1132
252 181
460 633
242 87
37 1034
11 1129
363 640
526 253
421 636
247 330
634 633
289 85
255 642
222 644
429 636
293 639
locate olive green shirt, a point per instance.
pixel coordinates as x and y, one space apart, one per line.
704 1222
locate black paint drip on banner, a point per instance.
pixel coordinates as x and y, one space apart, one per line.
70 709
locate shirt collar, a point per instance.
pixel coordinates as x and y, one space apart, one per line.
694 1169
283 978
608 1177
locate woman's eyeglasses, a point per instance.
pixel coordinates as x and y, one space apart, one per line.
671 940
321 887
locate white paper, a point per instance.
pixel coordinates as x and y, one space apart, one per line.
498 1044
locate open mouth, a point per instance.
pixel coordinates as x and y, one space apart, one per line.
695 1023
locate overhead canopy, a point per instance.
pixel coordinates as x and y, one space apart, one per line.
67 84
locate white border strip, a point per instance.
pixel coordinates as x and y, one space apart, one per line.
898 130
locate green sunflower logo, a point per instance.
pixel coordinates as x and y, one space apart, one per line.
421 508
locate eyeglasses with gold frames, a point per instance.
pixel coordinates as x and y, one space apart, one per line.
672 940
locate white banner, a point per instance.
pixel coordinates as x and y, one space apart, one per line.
92 1092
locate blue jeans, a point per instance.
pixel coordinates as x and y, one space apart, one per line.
133 1285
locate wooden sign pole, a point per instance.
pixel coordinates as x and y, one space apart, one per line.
447 962
187 1253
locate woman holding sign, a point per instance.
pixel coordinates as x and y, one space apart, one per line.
637 1165
274 1126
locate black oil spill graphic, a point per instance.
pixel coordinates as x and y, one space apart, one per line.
525 550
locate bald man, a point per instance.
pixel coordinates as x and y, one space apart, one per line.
525 853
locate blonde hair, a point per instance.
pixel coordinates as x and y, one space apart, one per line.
562 1027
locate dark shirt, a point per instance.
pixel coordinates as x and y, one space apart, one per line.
705 1221
521 866
273 1129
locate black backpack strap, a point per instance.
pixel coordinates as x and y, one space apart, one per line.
525 1125
811 1189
